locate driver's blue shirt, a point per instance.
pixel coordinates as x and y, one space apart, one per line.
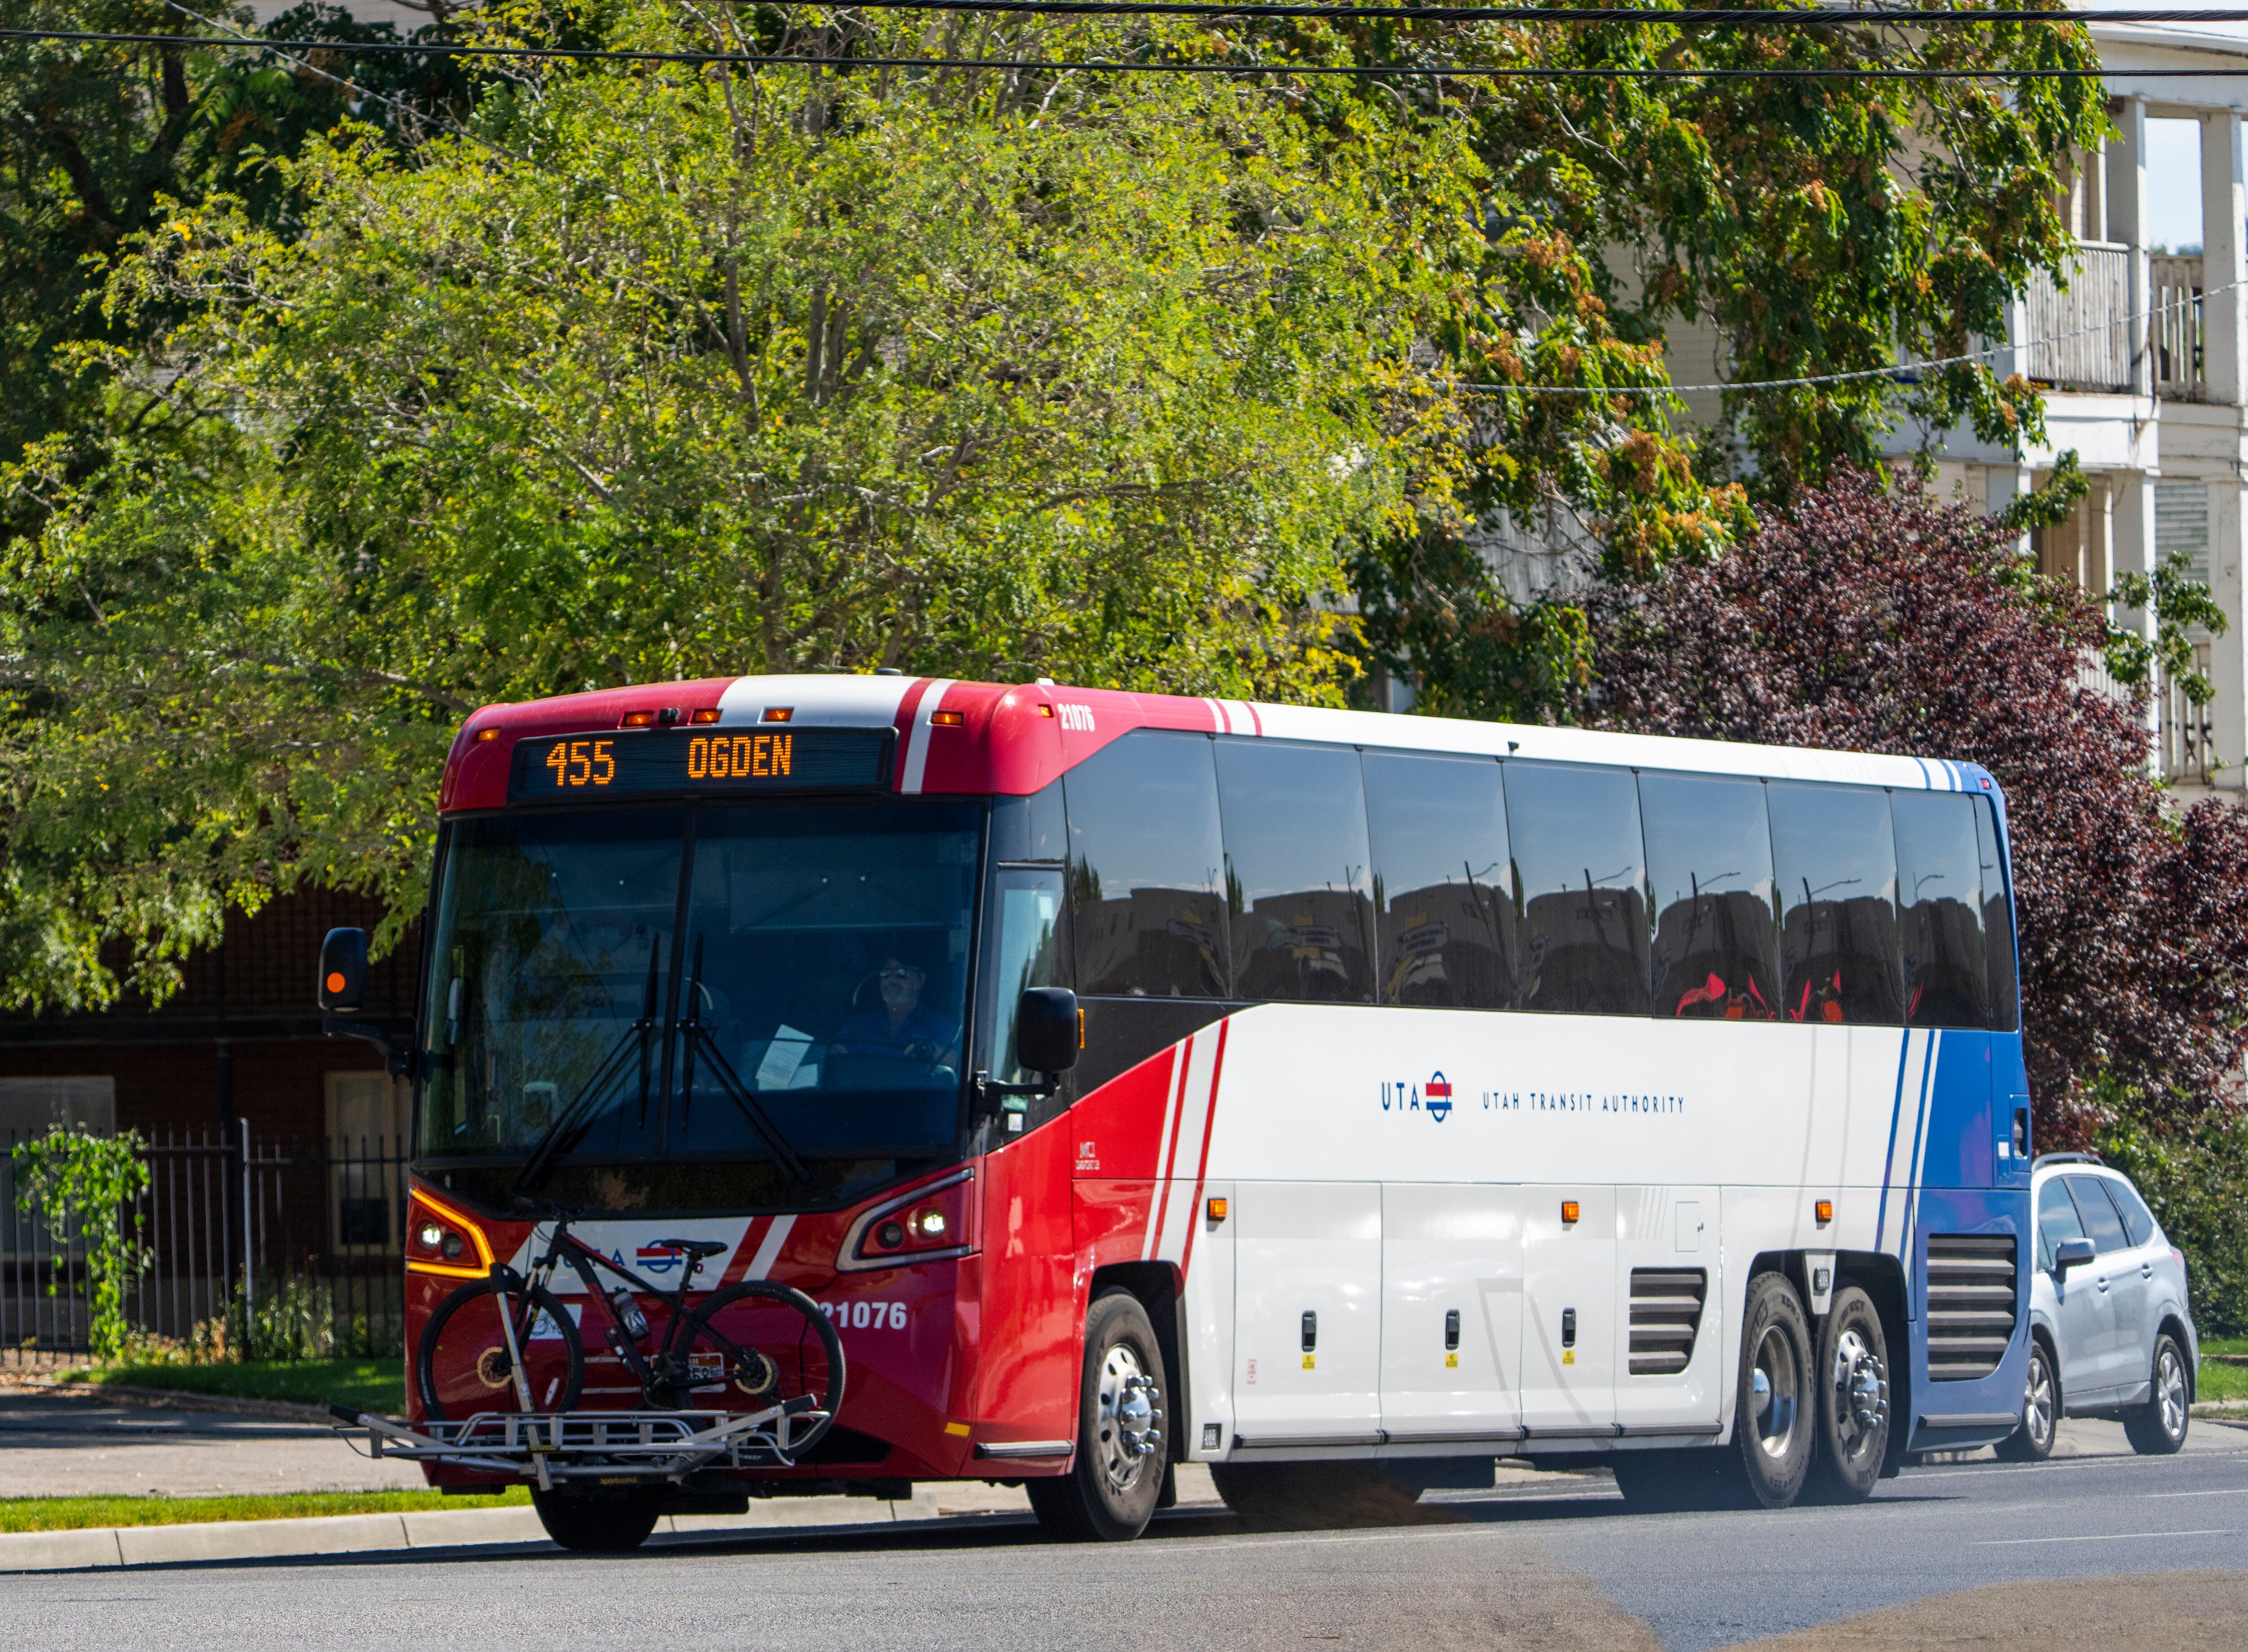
869 1032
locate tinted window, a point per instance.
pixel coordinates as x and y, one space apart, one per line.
1997 920
1296 887
1148 907
1032 828
1835 858
1580 887
1443 893
2100 1222
2138 1221
1709 861
1940 898
2056 1220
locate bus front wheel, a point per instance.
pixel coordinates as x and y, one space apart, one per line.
616 1524
1111 1490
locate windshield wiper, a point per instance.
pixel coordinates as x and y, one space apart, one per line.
595 1089
695 1036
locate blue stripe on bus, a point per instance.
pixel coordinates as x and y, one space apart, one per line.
1919 1135
1896 1107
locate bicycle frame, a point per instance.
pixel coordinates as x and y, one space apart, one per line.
583 1259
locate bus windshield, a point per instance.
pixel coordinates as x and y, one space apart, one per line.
778 984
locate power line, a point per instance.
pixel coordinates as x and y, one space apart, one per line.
1044 65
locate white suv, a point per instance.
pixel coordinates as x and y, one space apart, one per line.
2109 1332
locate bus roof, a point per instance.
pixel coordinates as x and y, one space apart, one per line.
1015 738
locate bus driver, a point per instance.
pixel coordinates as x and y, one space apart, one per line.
902 1026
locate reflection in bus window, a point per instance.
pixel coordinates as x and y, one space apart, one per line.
1997 920
1836 863
1148 906
1940 898
1295 871
1709 860
1443 892
1577 850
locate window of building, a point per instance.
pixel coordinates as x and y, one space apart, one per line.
1296 887
1581 886
1834 854
1145 869
366 1119
31 1107
1709 861
1947 980
1443 891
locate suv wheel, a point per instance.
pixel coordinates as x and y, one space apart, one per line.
2032 1442
2158 1428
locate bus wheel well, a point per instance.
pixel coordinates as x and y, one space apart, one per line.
1156 1286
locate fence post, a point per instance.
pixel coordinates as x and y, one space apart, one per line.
249 1257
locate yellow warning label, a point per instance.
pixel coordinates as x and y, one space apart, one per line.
1310 1359
1451 1363
1568 1356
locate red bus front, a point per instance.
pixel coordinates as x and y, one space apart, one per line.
668 926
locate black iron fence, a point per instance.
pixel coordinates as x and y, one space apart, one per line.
247 1249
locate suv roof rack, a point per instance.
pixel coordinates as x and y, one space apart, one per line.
2044 1159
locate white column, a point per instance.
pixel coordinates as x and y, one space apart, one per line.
2131 550
2223 224
2126 221
2228 655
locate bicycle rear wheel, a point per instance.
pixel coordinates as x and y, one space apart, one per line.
756 1344
462 1365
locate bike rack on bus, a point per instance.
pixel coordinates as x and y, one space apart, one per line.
587 1445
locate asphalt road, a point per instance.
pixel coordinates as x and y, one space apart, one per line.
1556 1563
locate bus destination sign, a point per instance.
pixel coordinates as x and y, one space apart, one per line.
587 766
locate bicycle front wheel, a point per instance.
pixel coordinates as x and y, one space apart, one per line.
462 1365
758 1344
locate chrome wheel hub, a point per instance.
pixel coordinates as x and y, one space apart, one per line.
1776 1392
1128 1421
2170 1392
1862 1389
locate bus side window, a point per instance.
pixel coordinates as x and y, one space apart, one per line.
1717 935
1444 884
1835 857
1145 861
1940 895
1998 922
1295 892
1024 948
1581 881
1031 829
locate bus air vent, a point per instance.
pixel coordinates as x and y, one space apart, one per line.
1665 1312
1970 1303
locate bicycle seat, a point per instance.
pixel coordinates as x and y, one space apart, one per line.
695 1249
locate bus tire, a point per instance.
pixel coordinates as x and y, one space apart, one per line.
1117 1474
614 1524
1310 1496
1853 1424
1775 1411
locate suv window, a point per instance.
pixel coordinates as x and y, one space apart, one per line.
2100 1222
2138 1221
2056 1221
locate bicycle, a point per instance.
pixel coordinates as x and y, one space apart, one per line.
506 1344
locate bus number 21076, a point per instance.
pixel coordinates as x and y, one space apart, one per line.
866 1316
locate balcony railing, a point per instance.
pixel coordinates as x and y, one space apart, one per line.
2082 334
2174 329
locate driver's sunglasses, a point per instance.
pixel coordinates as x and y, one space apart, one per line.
892 975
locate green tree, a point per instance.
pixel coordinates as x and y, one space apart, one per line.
81 1186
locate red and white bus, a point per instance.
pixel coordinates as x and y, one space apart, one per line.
1441 1091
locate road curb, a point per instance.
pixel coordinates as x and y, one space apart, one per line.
360 1534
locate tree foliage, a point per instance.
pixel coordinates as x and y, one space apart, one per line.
82 1187
1871 621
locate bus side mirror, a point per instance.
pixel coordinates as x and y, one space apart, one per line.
2072 1253
1046 1029
343 970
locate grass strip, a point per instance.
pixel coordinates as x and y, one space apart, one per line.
77 1514
367 1385
2219 1383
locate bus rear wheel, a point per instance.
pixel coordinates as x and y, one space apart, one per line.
1853 1399
1118 1474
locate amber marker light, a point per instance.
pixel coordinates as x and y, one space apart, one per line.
705 714
1568 1212
1045 711
779 713
1826 1209
1216 1209
636 720
335 980
946 719
483 735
